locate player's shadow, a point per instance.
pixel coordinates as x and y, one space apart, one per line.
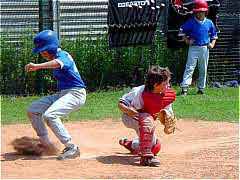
13 156
124 159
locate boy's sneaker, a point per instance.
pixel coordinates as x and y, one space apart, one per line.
184 92
70 152
128 145
200 92
149 161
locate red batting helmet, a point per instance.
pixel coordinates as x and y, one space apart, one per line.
200 6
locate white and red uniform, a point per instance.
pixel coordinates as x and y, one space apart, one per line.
148 104
135 99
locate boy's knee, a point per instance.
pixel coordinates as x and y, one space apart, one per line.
129 122
32 112
47 116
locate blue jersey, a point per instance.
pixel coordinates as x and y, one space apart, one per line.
67 75
202 32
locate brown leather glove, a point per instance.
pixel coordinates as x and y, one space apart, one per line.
169 122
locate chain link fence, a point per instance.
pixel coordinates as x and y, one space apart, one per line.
82 29
225 57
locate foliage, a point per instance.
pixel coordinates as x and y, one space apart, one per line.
99 66
14 56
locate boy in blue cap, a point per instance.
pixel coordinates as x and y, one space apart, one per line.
70 97
200 34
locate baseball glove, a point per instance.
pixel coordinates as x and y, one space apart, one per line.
32 146
169 121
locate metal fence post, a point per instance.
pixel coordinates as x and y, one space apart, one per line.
45 14
45 22
56 17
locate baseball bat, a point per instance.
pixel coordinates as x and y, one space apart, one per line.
159 10
126 27
120 26
128 23
114 21
135 9
151 29
136 22
140 24
151 11
145 14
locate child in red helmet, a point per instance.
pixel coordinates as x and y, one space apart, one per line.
200 34
140 107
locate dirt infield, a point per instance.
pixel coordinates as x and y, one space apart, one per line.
201 150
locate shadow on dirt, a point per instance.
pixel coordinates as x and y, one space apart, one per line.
13 156
119 159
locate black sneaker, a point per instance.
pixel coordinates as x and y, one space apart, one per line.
149 161
200 92
69 153
183 92
128 145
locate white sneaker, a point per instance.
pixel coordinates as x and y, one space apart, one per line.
70 152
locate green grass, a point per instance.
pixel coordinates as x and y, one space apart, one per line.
215 105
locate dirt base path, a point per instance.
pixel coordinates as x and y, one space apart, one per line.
201 150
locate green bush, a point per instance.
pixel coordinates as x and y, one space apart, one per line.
100 67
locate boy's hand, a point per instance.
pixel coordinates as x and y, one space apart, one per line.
210 46
188 41
132 112
31 67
